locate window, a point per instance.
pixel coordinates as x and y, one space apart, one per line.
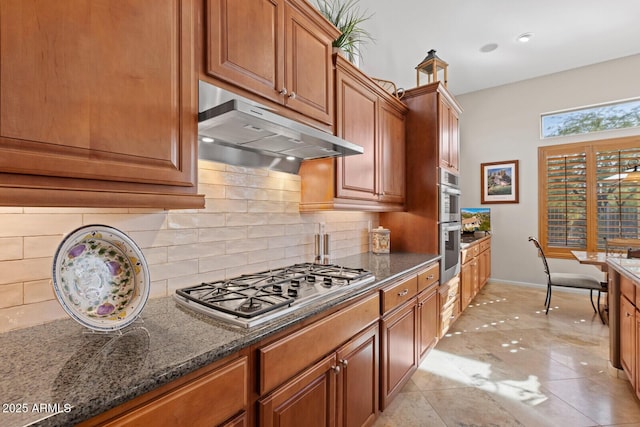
595 118
587 193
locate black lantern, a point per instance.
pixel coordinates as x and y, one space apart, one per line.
433 67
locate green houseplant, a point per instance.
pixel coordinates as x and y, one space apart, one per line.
347 17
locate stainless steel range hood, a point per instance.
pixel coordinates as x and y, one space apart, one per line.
239 132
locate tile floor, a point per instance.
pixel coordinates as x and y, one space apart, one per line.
504 363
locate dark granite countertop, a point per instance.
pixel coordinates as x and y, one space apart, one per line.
59 373
469 239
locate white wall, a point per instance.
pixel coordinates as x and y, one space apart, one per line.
503 123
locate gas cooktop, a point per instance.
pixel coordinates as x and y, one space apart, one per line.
253 299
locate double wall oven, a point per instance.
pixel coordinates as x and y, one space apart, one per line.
449 223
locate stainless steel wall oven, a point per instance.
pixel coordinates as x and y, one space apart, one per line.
449 224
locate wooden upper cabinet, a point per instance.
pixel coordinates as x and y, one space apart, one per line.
375 180
277 49
356 122
97 98
392 154
448 134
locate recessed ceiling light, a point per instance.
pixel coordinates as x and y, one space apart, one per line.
523 38
490 47
207 139
291 158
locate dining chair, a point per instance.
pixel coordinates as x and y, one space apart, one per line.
569 280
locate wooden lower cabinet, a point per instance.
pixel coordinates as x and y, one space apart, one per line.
341 390
628 338
307 400
188 401
358 389
428 314
399 354
475 270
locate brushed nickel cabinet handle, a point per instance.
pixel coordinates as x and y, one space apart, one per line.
403 292
283 91
344 362
292 95
335 369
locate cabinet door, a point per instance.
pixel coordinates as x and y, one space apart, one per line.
636 353
428 315
97 90
306 400
399 352
628 338
245 44
309 68
356 122
454 142
448 136
392 154
358 380
466 284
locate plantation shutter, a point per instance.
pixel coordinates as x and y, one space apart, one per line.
618 198
566 200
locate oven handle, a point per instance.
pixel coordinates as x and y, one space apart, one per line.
451 227
450 190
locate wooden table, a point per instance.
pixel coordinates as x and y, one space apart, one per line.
597 259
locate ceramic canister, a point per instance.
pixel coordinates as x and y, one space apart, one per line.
380 240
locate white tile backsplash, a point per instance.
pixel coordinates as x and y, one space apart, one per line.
251 222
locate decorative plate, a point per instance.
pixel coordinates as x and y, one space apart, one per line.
100 277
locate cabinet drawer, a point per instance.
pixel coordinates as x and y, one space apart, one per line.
313 342
485 244
465 255
395 295
428 277
448 315
627 288
226 386
449 292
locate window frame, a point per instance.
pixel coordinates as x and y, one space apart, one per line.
590 148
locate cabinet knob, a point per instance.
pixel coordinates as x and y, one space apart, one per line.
335 369
403 292
292 95
344 362
283 91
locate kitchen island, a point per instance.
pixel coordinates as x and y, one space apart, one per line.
60 373
624 332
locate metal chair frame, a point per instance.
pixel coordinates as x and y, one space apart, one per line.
547 302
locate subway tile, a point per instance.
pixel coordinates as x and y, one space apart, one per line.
246 193
173 269
265 206
66 211
155 238
247 170
30 314
9 209
157 289
254 267
11 248
236 179
210 165
212 193
157 255
211 177
213 263
284 218
25 270
284 241
226 205
253 218
37 291
129 222
19 225
222 234
41 246
254 231
195 250
201 220
11 295
248 245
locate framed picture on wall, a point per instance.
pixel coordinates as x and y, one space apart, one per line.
499 182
